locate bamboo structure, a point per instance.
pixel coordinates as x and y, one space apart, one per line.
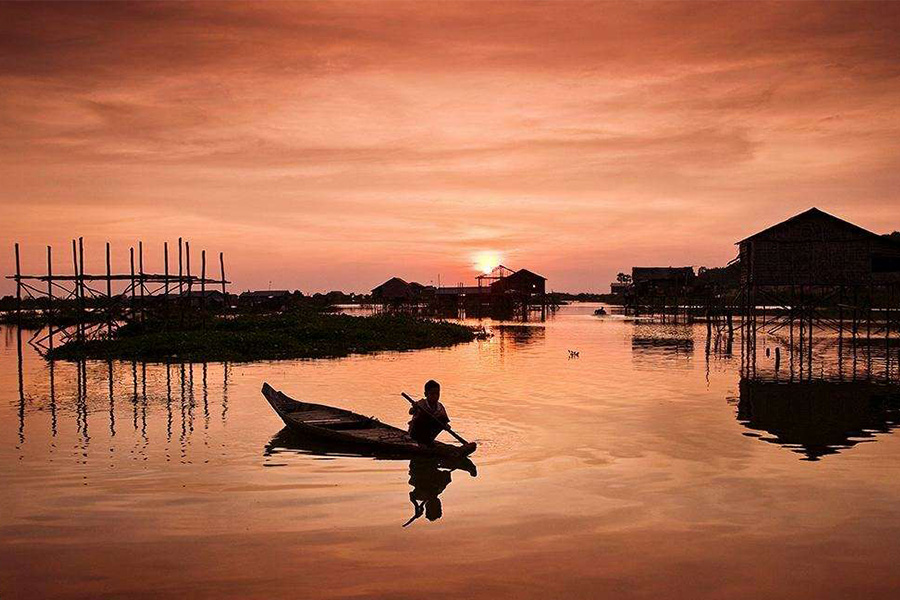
84 306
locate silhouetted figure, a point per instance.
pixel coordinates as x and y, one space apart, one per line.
428 482
429 417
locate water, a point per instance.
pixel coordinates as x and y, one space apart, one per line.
643 468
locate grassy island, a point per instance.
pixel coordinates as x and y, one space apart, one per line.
306 334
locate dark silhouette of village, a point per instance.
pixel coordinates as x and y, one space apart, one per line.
809 305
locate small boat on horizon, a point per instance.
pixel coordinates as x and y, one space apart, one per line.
330 424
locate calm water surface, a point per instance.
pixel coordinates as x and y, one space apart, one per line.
643 468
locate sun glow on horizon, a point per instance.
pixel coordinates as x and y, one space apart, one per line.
487 261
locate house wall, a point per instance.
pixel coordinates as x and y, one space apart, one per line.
832 262
818 251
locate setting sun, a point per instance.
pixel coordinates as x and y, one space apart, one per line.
487 261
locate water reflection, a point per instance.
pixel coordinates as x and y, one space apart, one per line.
428 480
101 393
428 476
818 418
519 335
654 345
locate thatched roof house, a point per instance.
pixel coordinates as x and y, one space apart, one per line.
522 281
396 289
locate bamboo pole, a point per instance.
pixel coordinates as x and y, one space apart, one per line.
203 278
887 334
50 293
141 272
131 254
18 283
187 257
109 300
222 272
81 304
166 270
180 271
77 289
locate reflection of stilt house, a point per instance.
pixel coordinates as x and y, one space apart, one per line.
815 270
818 418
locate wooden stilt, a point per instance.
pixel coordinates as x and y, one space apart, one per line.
49 314
109 298
203 279
180 271
222 273
131 253
18 283
187 255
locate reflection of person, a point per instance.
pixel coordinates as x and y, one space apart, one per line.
425 426
427 481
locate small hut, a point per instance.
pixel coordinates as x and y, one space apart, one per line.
660 280
396 290
522 282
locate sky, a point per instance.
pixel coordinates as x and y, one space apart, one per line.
333 145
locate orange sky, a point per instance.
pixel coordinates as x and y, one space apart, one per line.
331 145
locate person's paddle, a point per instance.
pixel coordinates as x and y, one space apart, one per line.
443 425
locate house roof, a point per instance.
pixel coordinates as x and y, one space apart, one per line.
647 273
813 215
527 273
391 282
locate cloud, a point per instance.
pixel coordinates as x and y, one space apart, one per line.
572 136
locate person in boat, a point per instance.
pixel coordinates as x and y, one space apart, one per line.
425 426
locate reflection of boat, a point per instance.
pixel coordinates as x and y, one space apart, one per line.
338 425
818 418
289 441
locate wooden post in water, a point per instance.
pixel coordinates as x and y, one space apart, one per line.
887 334
109 300
18 284
869 334
141 274
187 256
203 279
131 253
180 271
222 273
841 334
81 303
50 294
76 288
166 271
141 277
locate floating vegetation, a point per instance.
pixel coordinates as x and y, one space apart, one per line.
302 334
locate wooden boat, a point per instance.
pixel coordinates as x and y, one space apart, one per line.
327 423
